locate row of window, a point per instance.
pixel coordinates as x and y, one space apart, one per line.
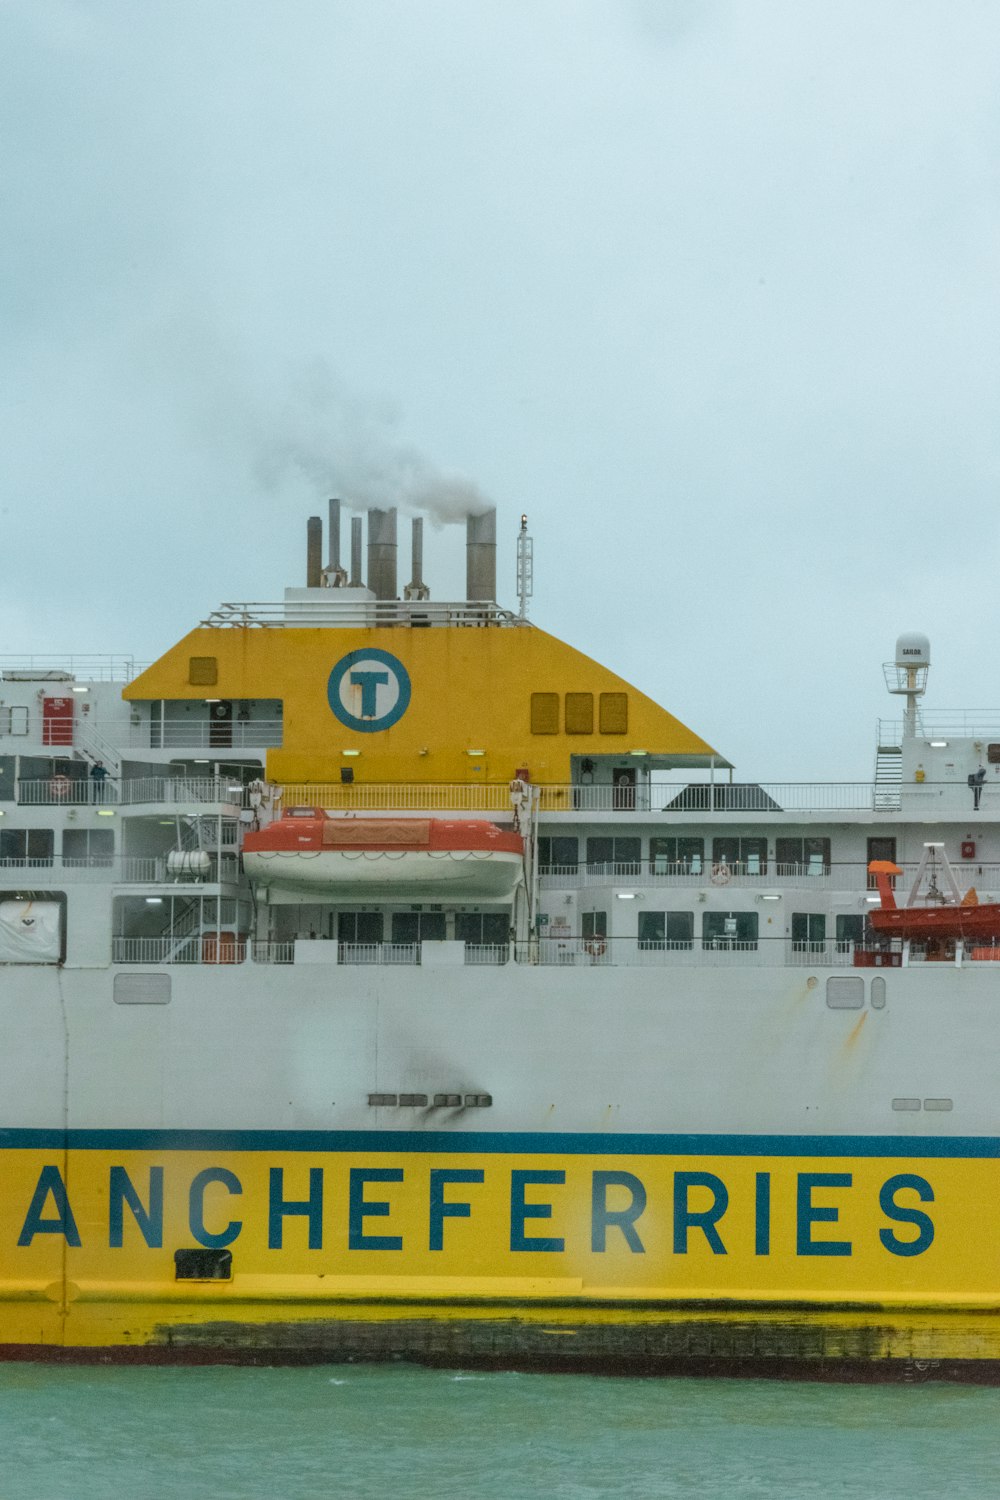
36 846
670 855
623 855
485 928
578 713
675 929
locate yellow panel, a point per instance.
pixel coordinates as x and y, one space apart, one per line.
468 689
545 713
614 713
857 1237
203 671
579 713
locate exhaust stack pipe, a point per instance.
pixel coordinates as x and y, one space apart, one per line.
417 589
335 576
481 557
357 582
382 553
314 552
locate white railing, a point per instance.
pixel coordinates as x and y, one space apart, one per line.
960 724
849 876
579 952
65 791
658 798
62 791
378 953
487 954
380 797
193 948
55 668
329 607
201 947
236 734
273 953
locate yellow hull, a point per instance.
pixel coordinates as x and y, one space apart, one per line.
659 1252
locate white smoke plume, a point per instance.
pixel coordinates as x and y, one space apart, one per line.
351 448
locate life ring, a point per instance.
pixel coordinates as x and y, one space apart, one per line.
595 947
59 787
721 874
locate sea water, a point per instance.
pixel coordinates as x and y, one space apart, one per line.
357 1431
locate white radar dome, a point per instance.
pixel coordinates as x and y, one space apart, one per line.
913 650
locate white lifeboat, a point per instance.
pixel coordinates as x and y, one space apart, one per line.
309 850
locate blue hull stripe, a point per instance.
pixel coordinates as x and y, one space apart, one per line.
549 1143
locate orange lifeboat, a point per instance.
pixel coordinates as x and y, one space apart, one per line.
966 918
307 849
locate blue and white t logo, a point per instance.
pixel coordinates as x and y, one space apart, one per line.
369 690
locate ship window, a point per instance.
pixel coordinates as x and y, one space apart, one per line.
878 993
545 713
359 927
558 853
614 713
666 929
418 927
906 1104
26 846
483 929
729 929
843 993
808 932
802 856
594 924
579 713
849 929
90 847
939 1104
203 671
14 721
622 856
670 856
749 855
881 848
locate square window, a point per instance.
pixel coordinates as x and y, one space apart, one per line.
579 713
203 671
545 713
614 713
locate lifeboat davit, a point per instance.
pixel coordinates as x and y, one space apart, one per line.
309 850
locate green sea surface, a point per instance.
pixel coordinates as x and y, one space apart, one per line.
358 1431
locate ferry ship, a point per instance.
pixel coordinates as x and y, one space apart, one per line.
383 978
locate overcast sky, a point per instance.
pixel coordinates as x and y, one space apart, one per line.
709 289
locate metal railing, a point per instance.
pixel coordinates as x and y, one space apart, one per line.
201 947
682 798
490 955
378 953
237 734
55 668
968 724
272 953
193 948
329 607
82 791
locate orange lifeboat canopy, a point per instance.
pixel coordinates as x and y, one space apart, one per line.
307 848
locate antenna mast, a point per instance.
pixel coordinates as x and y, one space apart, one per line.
525 569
